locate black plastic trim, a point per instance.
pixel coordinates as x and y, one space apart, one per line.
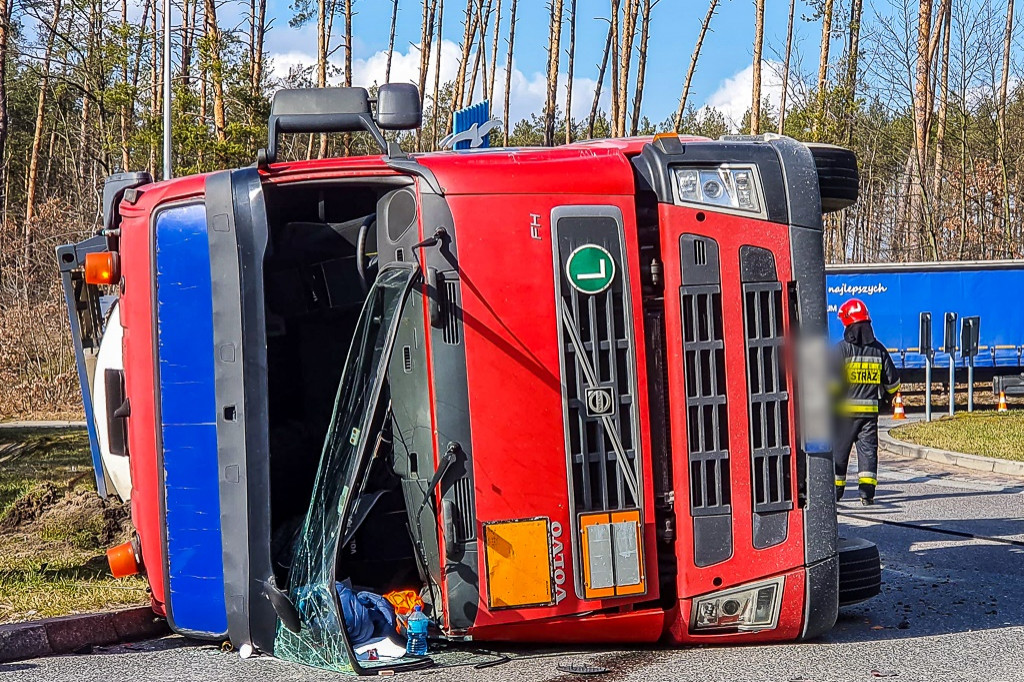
821 598
238 234
451 415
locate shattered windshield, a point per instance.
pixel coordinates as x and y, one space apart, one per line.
354 430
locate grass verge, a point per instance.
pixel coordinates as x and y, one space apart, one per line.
54 530
989 434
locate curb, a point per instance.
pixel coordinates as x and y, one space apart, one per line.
887 443
42 425
70 634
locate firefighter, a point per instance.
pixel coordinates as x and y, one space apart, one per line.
867 377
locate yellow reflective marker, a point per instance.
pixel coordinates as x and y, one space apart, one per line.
518 555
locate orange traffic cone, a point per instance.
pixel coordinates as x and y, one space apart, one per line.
1002 403
898 412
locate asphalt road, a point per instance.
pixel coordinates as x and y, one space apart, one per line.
951 609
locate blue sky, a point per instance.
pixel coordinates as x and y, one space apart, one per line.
722 77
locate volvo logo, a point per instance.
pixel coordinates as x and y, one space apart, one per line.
600 402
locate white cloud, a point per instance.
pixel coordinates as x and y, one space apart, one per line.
527 96
733 96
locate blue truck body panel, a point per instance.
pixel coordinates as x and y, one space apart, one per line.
897 295
188 423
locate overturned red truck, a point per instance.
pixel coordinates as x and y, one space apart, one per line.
567 395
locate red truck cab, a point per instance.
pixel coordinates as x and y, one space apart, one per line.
567 395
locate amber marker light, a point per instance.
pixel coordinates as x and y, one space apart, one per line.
102 268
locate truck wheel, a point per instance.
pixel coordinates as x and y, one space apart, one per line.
838 179
860 571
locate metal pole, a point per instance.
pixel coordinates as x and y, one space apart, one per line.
952 381
970 383
928 387
167 89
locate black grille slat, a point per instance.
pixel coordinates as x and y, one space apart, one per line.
462 498
451 313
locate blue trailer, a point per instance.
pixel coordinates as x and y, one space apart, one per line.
897 293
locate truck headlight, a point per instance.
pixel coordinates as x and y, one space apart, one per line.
754 607
726 186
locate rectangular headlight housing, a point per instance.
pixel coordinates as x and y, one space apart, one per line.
726 186
748 608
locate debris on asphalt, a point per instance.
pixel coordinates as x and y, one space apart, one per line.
884 673
582 669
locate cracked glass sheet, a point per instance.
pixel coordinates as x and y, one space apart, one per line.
322 642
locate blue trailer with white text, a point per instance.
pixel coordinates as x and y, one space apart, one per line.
897 293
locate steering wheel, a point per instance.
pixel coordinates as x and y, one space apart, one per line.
366 264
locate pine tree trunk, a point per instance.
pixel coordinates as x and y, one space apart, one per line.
922 100
435 133
322 40
508 66
154 91
641 64
785 68
125 112
37 134
940 130
216 71
550 104
681 111
348 65
5 15
481 29
629 17
600 83
426 37
572 59
826 38
614 76
852 61
755 105
494 54
468 35
391 43
1001 119
257 53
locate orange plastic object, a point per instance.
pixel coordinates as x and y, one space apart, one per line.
122 560
103 267
404 601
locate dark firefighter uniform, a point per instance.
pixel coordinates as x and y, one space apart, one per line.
867 378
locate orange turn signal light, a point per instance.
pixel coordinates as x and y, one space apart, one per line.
122 559
103 267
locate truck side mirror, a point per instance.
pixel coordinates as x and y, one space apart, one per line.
398 107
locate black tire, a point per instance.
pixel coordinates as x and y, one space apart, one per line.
838 178
860 571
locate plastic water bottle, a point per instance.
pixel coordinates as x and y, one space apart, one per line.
416 633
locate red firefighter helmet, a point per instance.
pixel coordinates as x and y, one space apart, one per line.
852 311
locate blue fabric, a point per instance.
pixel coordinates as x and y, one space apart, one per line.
188 416
367 615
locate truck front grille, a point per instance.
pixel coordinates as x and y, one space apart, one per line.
707 420
598 374
770 452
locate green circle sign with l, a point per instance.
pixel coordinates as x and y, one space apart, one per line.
590 269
